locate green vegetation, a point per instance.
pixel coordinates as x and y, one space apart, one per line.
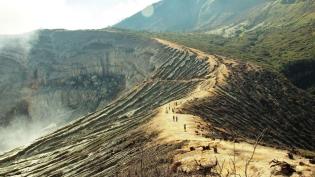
272 48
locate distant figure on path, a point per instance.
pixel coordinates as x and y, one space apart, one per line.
215 149
185 127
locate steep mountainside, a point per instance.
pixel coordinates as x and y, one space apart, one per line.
176 15
135 134
53 76
225 17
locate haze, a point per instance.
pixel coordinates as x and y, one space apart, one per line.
23 16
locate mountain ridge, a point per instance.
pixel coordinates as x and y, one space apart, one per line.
208 101
111 140
276 34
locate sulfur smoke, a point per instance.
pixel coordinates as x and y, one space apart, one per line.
24 116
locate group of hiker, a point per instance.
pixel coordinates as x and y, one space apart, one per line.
175 118
169 109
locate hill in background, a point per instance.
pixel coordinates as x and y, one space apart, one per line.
277 34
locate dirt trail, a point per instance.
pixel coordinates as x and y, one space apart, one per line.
172 131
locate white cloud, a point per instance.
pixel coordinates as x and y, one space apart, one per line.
19 16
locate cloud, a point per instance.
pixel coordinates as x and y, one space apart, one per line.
18 16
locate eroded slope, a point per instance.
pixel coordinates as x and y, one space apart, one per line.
233 98
51 77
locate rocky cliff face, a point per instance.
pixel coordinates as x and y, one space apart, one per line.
50 77
236 99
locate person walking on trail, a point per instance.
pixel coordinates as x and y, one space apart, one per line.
185 127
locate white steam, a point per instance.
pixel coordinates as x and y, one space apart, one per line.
46 114
45 110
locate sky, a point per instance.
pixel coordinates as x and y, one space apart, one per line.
20 16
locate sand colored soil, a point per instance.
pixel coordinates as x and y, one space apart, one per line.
228 152
232 157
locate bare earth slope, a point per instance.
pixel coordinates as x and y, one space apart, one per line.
216 97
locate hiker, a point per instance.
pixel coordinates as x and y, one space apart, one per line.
185 127
215 149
